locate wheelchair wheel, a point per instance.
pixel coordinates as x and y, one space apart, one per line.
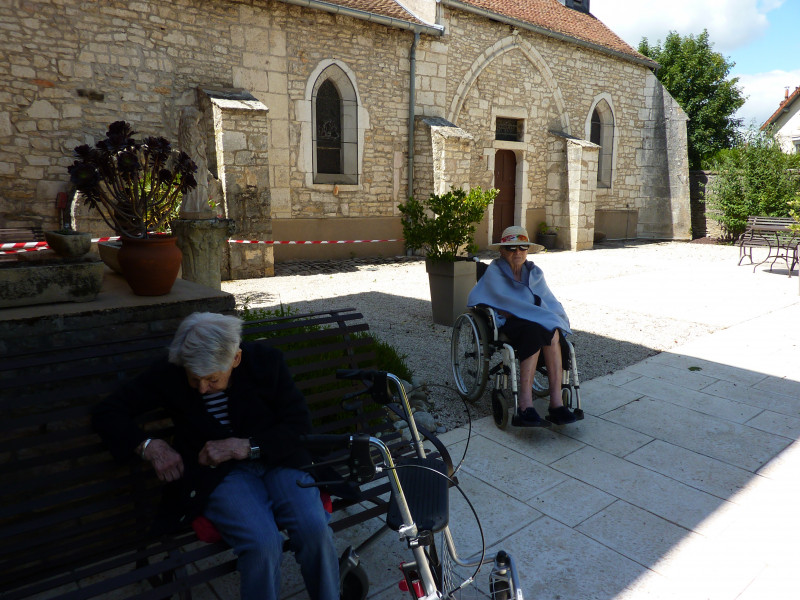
469 354
541 383
501 402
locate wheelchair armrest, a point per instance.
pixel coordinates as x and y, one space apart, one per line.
491 320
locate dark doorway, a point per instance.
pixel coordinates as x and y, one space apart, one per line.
505 177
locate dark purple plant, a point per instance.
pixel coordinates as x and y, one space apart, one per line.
135 186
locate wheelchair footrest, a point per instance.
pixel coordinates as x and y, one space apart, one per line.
426 489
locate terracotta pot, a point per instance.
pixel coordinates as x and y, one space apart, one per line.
150 265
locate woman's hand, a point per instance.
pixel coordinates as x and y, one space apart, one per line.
216 452
167 463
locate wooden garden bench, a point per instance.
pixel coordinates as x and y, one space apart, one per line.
75 523
772 233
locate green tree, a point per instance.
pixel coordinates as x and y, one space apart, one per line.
754 178
697 77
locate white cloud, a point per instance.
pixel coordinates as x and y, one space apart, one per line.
730 23
764 92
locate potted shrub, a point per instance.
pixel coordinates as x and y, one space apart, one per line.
137 187
547 236
443 227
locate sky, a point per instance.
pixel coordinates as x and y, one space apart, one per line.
761 36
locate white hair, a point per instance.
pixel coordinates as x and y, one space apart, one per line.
206 343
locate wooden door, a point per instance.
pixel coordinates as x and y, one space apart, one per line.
505 176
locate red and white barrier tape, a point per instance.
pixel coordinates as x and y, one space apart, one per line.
14 247
309 241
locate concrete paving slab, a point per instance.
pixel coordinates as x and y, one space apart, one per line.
557 562
696 470
651 491
709 404
572 502
620 527
688 378
605 435
772 422
540 444
601 397
512 472
712 369
730 442
779 403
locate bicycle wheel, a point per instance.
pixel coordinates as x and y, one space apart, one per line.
469 355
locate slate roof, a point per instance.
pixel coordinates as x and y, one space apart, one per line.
784 107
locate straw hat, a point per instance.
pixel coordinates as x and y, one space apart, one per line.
518 236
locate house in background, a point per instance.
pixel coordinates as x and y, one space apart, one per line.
785 123
318 119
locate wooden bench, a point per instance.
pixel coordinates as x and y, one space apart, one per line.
18 234
74 523
774 234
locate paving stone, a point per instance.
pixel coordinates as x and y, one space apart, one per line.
572 501
674 393
651 491
661 372
730 442
764 399
601 397
701 472
512 472
605 435
620 525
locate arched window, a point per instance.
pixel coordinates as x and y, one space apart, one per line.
329 129
334 111
602 134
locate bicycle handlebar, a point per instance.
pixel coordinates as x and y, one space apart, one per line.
375 382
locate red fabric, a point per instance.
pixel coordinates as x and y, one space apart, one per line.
327 503
205 530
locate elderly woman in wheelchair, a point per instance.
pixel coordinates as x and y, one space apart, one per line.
527 320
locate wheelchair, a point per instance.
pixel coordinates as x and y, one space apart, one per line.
476 338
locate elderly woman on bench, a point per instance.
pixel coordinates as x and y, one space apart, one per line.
236 453
531 318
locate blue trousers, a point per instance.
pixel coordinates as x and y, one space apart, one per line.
250 508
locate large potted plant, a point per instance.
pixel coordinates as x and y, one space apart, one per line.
137 187
443 227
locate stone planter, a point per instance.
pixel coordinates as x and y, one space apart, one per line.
49 281
450 284
109 254
68 244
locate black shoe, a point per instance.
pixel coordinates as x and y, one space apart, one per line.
528 418
560 416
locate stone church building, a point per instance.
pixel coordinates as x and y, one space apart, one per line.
318 118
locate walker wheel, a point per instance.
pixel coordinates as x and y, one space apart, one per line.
500 589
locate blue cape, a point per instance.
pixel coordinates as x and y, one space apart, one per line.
498 289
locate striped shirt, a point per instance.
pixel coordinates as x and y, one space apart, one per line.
217 406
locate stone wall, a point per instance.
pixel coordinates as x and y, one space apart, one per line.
72 68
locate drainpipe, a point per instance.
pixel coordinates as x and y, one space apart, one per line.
411 103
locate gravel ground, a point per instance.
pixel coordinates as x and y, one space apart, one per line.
610 293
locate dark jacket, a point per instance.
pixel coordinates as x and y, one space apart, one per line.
263 404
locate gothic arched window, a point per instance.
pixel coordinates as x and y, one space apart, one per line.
334 111
602 134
